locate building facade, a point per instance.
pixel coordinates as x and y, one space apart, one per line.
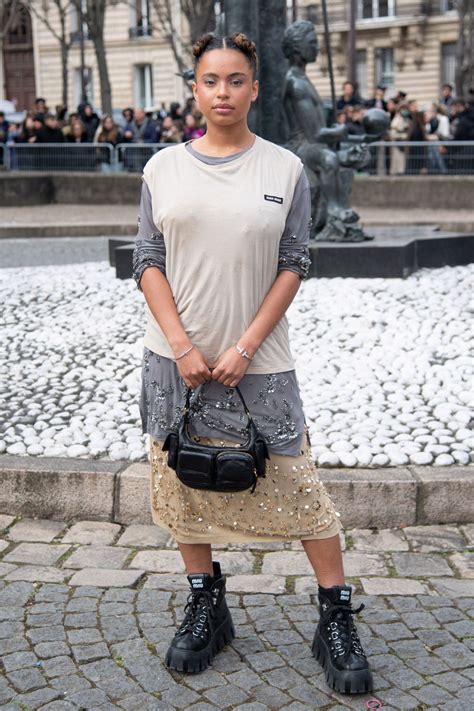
403 44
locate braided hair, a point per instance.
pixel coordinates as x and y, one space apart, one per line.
238 41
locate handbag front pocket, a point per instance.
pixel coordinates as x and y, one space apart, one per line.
235 471
195 469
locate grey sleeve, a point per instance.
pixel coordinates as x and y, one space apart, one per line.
150 249
294 242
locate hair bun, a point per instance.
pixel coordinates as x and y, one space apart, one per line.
238 40
201 43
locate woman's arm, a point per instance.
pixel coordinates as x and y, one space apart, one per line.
149 271
293 266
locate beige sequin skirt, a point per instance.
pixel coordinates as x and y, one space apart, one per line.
291 503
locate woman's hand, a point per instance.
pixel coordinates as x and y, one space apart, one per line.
194 368
230 368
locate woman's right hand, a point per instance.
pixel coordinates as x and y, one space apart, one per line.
194 368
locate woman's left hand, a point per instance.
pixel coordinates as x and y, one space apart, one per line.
230 368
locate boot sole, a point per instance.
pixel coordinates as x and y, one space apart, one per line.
192 662
358 681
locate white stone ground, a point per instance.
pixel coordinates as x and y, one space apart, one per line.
384 365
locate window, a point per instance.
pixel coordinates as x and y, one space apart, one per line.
89 89
140 25
373 9
361 71
446 6
75 22
384 72
448 63
143 85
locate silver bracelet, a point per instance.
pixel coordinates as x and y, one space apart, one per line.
185 353
242 352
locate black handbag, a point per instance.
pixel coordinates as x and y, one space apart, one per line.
206 466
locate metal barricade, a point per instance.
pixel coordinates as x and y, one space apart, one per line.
132 157
420 158
83 157
3 157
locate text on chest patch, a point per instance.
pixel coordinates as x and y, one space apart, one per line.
273 198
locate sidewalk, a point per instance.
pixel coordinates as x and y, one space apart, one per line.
88 609
61 220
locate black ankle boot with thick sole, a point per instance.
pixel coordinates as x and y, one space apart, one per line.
336 644
207 626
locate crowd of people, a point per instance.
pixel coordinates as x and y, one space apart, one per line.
447 119
41 125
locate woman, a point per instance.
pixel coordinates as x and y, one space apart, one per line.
77 132
170 132
416 163
399 129
192 130
224 222
107 132
129 128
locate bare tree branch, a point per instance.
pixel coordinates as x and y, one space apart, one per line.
200 17
8 16
62 8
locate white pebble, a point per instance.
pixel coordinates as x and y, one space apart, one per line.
381 460
460 457
341 445
443 460
35 449
421 458
328 459
77 450
17 448
348 459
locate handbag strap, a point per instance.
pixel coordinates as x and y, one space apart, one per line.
188 401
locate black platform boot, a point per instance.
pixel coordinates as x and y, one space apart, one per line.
336 644
207 624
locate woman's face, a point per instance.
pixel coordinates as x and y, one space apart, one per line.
108 123
224 77
77 129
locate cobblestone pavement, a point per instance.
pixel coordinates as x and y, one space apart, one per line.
87 611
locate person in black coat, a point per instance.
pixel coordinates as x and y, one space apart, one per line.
378 101
465 124
90 120
50 132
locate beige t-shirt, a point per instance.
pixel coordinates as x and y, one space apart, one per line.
222 226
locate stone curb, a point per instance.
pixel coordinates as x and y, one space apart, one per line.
130 229
89 489
68 230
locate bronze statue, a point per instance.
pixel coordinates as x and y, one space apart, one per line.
329 154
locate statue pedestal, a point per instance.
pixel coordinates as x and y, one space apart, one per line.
394 252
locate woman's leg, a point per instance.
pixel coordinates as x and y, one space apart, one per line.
326 558
197 557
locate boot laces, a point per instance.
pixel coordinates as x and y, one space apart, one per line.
200 606
342 631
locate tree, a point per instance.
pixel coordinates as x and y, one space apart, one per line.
8 16
464 77
93 14
43 14
200 17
